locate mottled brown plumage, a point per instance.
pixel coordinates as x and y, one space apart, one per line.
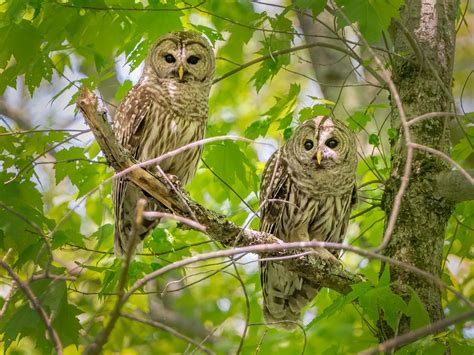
166 110
304 199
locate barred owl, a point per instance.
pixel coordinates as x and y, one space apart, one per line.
308 190
167 109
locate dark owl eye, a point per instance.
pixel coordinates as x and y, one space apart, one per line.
331 143
308 144
169 58
193 59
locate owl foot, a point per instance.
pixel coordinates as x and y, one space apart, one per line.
174 180
327 256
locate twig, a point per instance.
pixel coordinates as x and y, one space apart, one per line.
113 8
168 329
445 157
417 334
100 340
7 300
407 135
294 49
430 115
53 335
184 220
321 271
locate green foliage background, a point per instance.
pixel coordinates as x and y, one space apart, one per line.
55 186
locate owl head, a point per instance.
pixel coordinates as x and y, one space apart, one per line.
322 148
182 57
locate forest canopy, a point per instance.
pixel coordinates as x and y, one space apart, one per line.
397 73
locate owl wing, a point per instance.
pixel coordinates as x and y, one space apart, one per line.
128 127
128 122
274 187
285 293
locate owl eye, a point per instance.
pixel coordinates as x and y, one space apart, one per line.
308 144
169 58
332 143
193 59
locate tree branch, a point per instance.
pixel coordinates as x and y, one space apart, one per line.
54 338
412 336
329 273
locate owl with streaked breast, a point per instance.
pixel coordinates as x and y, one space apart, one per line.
308 190
167 109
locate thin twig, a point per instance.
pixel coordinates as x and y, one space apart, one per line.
53 335
414 335
431 115
168 329
273 248
101 339
445 157
294 49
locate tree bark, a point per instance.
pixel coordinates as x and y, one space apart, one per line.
424 85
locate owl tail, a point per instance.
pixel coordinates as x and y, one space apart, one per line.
285 293
124 220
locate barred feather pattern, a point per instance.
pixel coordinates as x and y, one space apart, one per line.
304 201
160 114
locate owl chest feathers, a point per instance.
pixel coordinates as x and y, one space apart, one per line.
317 204
177 116
312 217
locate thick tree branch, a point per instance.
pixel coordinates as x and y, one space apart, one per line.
327 273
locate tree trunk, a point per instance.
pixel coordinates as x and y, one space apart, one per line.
423 79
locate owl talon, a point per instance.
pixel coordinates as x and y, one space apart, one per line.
174 180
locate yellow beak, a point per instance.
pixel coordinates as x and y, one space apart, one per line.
319 157
181 72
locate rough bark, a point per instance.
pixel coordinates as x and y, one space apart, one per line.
424 85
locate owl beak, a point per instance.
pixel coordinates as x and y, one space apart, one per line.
319 156
181 72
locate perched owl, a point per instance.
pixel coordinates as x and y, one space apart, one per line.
308 190
166 110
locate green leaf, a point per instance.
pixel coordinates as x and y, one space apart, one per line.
358 120
284 104
228 161
210 33
358 290
267 70
384 279
374 139
159 241
23 322
373 17
416 310
462 150
317 6
123 89
383 299
312 112
287 133
257 129
392 133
